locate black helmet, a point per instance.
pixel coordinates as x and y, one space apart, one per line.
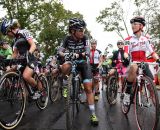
75 23
7 24
138 19
120 41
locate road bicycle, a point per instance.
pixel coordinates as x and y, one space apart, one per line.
145 99
14 91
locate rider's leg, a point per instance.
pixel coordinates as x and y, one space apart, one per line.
85 70
65 69
132 72
27 75
130 79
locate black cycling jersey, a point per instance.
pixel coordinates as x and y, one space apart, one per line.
79 47
22 45
74 46
20 41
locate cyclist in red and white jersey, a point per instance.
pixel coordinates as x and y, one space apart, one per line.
95 62
138 46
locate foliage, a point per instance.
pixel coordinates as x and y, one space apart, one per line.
47 20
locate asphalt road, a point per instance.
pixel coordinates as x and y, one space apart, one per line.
53 117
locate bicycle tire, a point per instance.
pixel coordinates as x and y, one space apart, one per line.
111 90
150 90
72 108
126 108
19 91
54 92
40 104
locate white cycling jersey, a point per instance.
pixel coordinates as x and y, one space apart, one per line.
95 56
138 47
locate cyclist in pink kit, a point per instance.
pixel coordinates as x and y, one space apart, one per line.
120 61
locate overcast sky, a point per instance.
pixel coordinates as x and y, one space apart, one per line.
90 10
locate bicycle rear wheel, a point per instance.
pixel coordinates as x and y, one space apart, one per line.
72 102
12 100
111 90
146 105
42 102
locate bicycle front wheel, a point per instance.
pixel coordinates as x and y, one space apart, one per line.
146 105
72 102
111 90
42 102
12 100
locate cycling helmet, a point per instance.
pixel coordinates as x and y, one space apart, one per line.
106 53
120 41
138 19
75 23
8 24
93 41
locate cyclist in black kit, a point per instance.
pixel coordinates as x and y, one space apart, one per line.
78 43
22 42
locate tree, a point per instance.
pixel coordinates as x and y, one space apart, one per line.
47 20
114 17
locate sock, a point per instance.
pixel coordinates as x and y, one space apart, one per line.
92 109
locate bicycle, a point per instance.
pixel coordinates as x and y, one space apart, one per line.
112 87
73 94
113 83
55 82
13 94
144 97
104 75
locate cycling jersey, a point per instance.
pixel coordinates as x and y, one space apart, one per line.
21 41
95 56
118 57
22 45
74 46
69 43
138 47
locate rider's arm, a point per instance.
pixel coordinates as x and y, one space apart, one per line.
32 45
15 53
150 49
114 58
62 49
100 61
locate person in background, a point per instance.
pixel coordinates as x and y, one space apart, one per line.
95 61
5 50
120 60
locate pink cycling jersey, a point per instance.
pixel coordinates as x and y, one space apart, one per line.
138 47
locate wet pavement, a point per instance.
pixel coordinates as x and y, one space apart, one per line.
53 117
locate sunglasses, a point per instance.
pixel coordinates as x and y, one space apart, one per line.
120 43
80 30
